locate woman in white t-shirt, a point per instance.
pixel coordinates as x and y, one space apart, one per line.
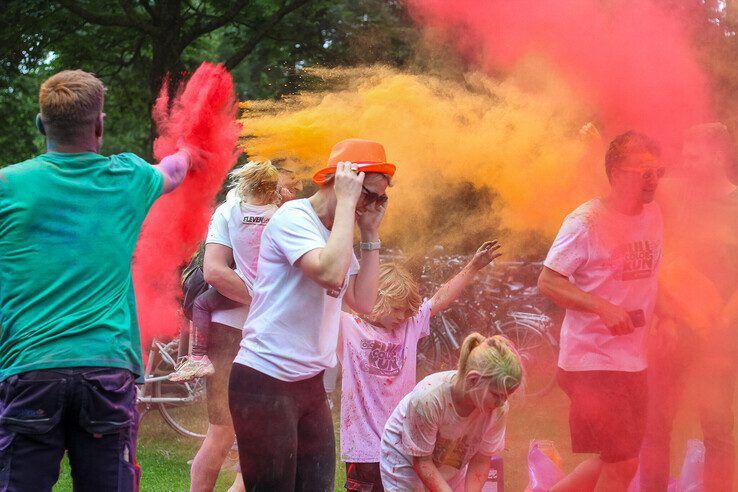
233 240
239 221
306 269
442 435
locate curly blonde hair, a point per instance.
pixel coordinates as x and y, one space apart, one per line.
397 289
492 357
256 179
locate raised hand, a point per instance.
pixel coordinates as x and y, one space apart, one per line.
347 183
369 220
197 156
486 253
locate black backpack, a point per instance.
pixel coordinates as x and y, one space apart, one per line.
193 284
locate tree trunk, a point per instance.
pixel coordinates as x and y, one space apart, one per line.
166 57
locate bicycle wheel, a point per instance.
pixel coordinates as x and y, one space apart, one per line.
434 355
189 416
539 356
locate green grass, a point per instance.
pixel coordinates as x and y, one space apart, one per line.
163 455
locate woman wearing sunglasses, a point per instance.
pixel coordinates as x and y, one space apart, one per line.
307 268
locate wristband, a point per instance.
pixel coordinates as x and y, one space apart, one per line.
370 246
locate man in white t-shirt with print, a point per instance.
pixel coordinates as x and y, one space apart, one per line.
603 269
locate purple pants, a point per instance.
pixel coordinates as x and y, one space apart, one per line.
715 362
202 311
88 412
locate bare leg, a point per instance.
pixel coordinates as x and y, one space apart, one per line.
583 478
616 477
210 457
238 485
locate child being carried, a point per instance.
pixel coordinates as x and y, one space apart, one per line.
238 224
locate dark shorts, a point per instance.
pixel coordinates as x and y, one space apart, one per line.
607 415
223 344
363 477
88 412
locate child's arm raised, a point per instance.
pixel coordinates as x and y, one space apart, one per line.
453 288
428 474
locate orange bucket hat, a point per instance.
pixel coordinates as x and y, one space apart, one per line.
367 155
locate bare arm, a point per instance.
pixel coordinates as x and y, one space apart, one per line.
567 295
173 169
429 474
218 273
477 473
452 289
328 266
362 292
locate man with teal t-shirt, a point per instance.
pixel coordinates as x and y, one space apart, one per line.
69 342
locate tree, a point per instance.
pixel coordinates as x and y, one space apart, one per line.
132 44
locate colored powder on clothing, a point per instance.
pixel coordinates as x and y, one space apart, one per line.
202 115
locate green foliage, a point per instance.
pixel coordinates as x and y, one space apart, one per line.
132 44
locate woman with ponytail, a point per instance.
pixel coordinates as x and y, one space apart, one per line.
442 435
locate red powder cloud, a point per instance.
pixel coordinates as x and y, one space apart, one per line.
632 61
202 116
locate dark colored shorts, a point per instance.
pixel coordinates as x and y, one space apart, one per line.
607 415
363 477
223 344
88 412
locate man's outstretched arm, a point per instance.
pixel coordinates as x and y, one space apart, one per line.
174 168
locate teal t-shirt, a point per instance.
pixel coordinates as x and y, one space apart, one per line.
68 228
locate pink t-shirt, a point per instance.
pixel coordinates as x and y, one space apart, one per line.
378 371
614 256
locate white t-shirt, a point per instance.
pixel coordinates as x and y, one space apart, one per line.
291 331
239 226
378 371
614 256
425 423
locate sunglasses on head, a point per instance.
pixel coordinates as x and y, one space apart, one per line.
371 197
647 172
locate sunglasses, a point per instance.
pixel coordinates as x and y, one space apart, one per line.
371 197
647 172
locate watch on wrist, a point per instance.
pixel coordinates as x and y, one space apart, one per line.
371 246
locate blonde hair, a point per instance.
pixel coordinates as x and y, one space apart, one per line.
494 357
71 97
397 288
257 179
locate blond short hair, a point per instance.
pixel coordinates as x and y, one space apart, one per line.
71 97
256 179
397 289
494 357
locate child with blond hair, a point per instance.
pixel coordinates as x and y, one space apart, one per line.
378 356
442 435
238 224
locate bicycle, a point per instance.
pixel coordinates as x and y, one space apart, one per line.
499 304
181 404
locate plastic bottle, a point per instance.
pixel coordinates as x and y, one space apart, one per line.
495 480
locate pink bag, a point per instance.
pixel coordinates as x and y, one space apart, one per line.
543 472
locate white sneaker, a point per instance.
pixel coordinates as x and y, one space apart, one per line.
192 367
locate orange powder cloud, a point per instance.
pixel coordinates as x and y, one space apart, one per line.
518 136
